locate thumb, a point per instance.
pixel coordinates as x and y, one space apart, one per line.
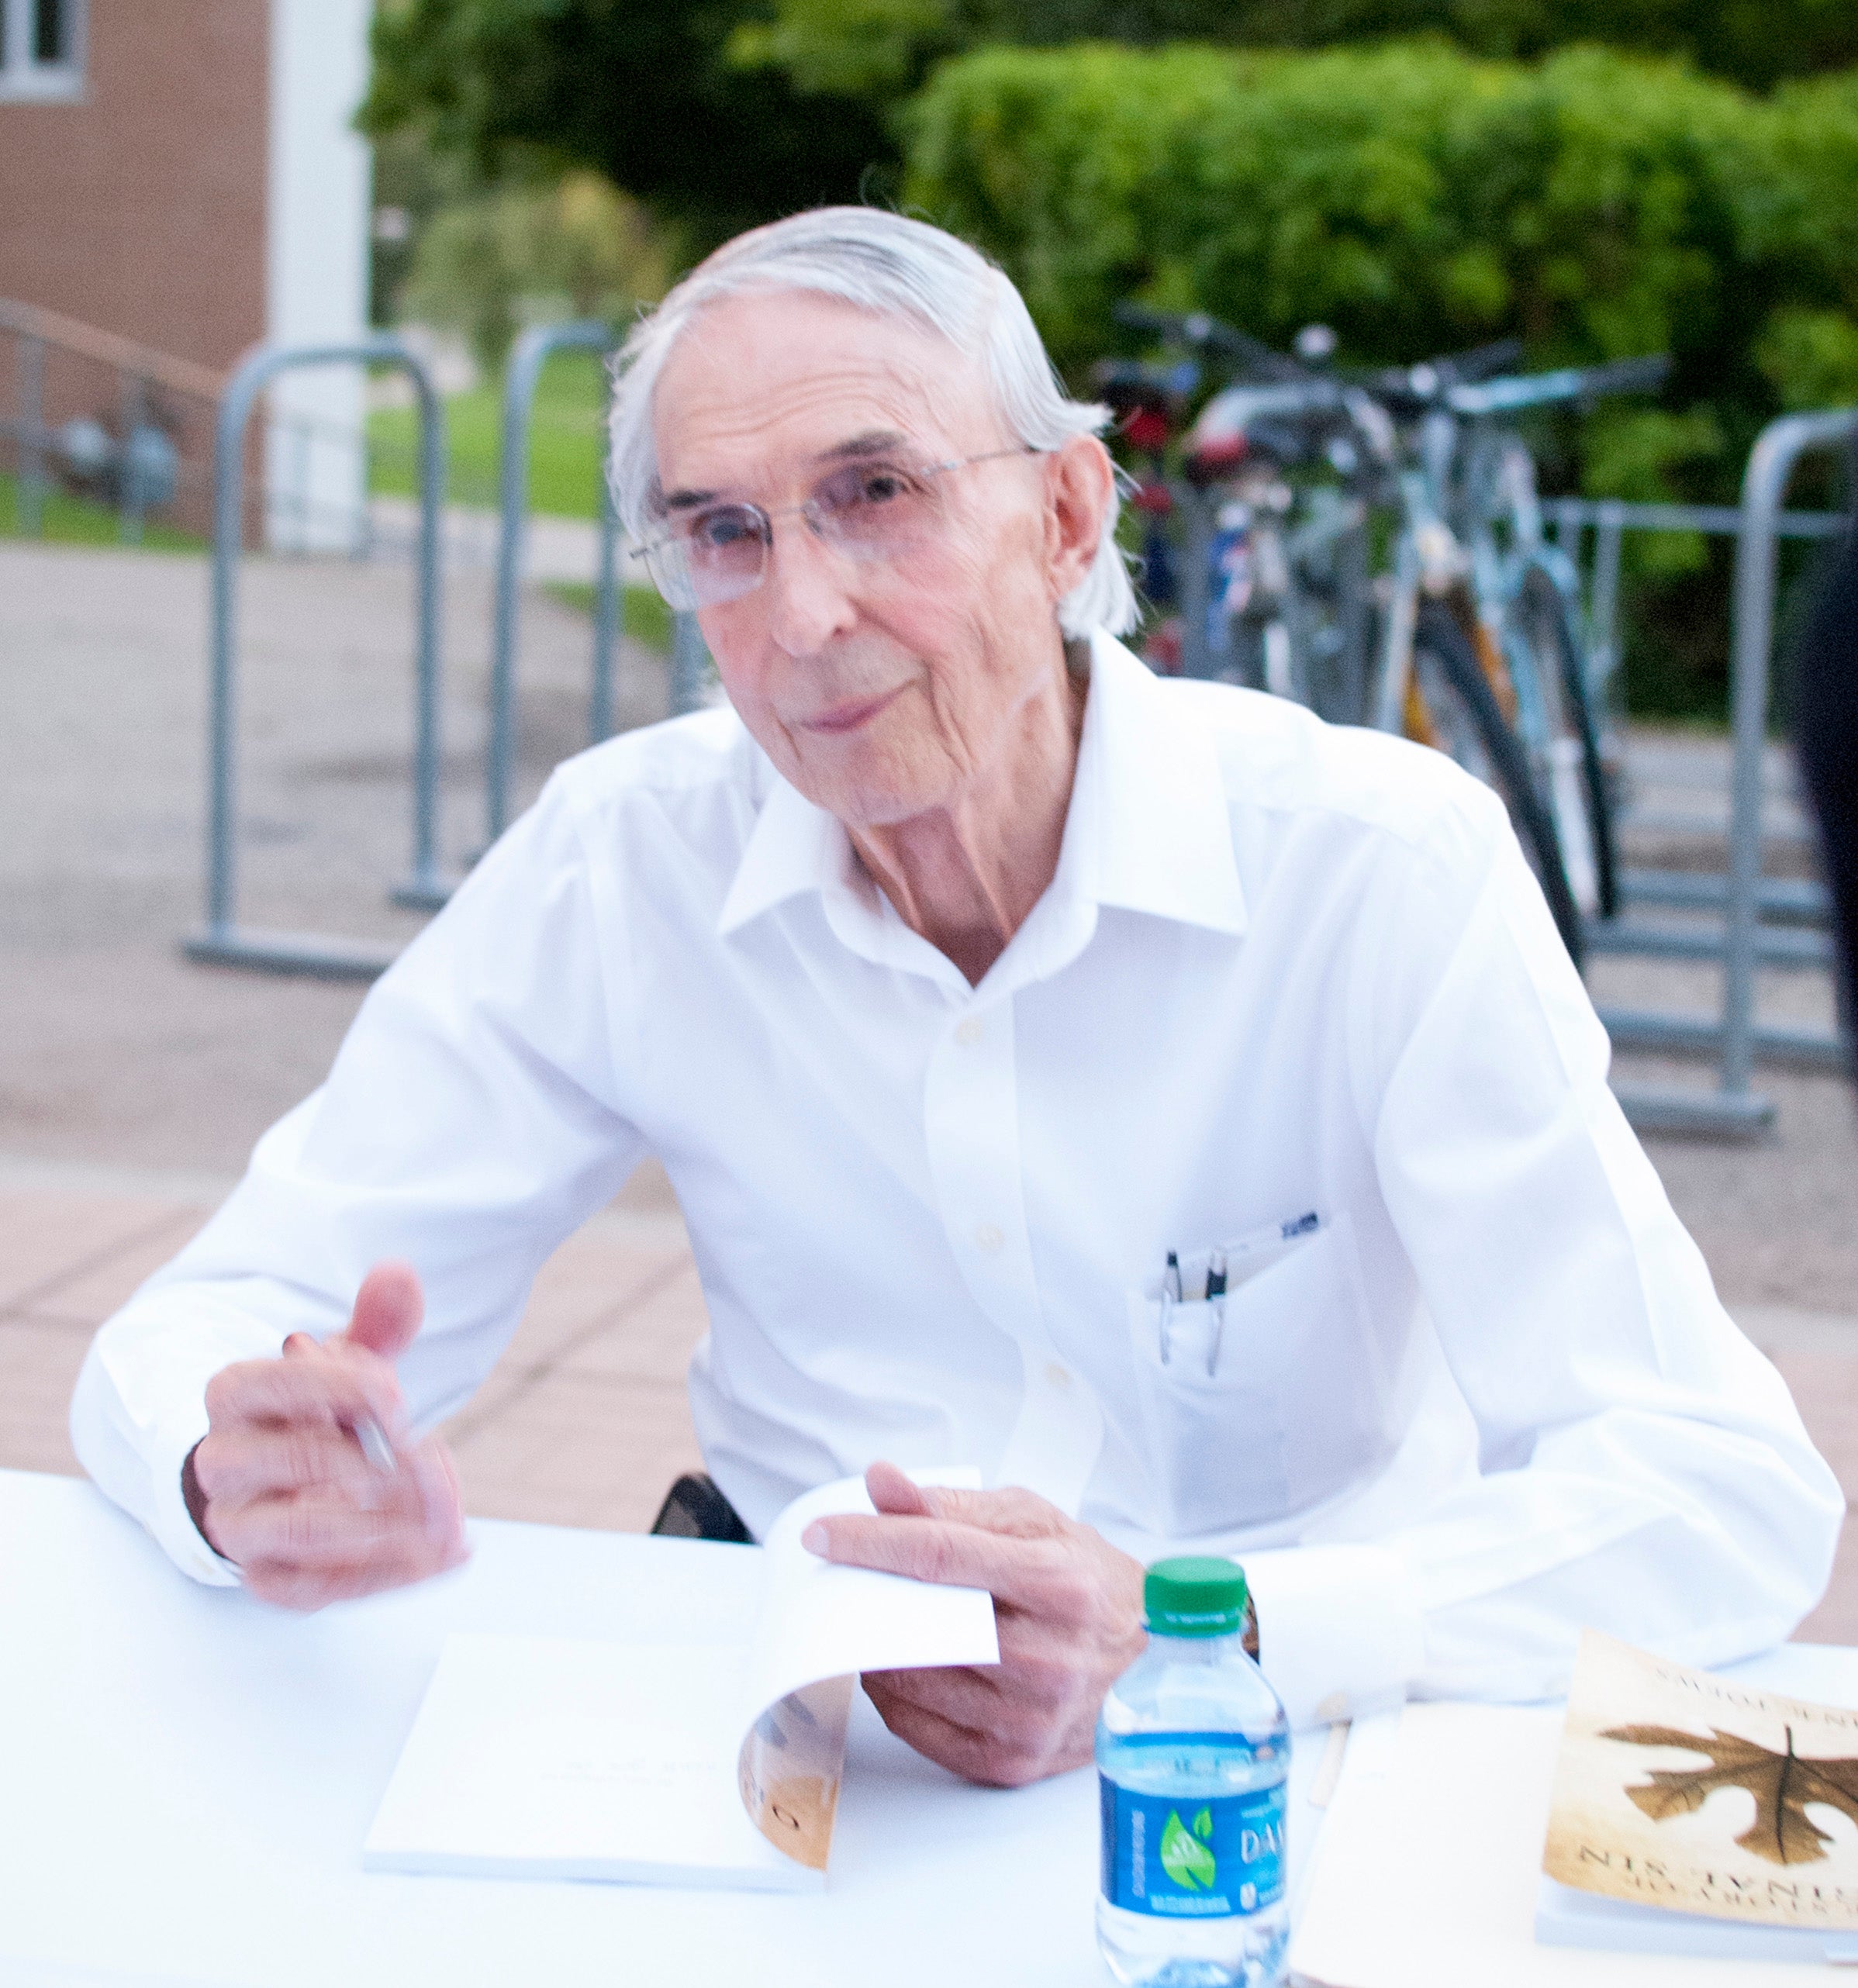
389 1308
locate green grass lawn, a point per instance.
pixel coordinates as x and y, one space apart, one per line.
69 520
648 619
565 441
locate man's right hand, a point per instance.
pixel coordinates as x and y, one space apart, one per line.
290 1496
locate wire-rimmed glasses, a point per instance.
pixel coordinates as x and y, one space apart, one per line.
876 508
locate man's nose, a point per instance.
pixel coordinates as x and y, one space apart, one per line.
804 590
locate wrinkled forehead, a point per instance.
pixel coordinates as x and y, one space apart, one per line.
761 387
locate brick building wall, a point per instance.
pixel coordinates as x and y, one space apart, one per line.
139 206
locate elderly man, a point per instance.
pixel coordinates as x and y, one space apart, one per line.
986 1001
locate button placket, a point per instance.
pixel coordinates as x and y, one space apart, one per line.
971 1126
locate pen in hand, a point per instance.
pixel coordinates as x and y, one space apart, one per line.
374 1445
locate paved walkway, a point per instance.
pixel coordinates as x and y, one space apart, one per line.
553 548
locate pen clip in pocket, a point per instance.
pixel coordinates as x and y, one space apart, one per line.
1188 1333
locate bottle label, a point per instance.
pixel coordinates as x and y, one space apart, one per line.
1192 1859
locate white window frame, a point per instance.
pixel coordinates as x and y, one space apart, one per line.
25 79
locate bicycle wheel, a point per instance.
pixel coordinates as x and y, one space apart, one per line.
1554 621
1461 717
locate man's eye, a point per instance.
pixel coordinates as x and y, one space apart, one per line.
719 531
871 489
882 486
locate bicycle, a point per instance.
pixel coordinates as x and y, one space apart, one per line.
1478 651
1530 591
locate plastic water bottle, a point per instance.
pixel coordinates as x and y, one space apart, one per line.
1192 1751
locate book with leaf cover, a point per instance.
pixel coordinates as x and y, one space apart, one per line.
1699 1815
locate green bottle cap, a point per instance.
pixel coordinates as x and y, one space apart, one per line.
1195 1597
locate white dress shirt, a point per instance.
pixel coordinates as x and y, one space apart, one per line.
1284 971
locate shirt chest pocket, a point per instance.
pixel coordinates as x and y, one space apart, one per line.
1264 1402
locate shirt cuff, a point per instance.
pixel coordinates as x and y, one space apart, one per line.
140 1405
169 1519
1338 1635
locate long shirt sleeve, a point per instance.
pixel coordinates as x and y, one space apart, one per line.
468 1125
1639 1466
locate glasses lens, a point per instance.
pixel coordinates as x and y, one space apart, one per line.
725 549
876 509
666 568
713 556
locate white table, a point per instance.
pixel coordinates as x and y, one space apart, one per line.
186 1778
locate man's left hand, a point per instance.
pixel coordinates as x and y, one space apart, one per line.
1068 1605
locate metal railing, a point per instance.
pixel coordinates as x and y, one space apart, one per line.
1752 935
531 352
127 440
689 659
224 940
141 468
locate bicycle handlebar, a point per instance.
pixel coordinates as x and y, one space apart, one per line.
1209 334
1413 388
1643 375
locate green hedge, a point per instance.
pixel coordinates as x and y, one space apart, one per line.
1597 203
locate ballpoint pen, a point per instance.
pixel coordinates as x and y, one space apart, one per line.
1216 1291
1170 1297
374 1445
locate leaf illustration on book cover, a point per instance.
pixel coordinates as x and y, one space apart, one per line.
1186 1858
1782 1784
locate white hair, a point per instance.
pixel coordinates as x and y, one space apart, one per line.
895 268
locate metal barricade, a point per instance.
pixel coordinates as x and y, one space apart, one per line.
689 659
224 940
531 352
1745 943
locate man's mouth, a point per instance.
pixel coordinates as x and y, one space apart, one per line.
838 719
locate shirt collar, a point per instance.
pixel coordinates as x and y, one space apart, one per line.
1149 771
1149 828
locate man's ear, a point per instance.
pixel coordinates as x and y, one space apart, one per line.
1080 486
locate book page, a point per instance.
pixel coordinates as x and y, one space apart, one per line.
545 1757
672 1763
820 1626
1704 1794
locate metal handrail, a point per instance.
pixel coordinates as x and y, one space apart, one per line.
224 940
182 376
140 368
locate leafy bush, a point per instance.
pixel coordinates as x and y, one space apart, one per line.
874 45
1418 198
578 248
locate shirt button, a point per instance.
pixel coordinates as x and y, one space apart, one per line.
968 1032
1058 1376
987 1237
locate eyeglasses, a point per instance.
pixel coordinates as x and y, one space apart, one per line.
874 509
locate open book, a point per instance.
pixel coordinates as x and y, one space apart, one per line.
693 1763
1699 1815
